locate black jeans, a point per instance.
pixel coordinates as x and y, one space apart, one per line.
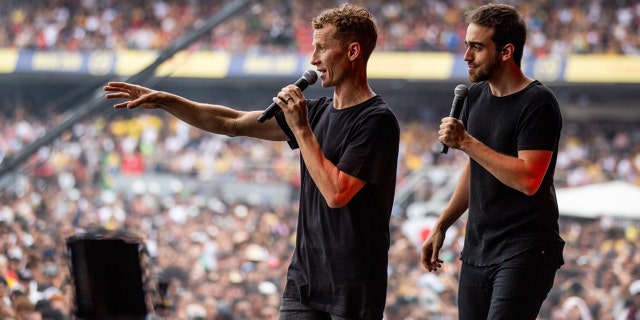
514 289
292 309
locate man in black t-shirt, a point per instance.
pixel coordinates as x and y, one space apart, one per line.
509 127
349 149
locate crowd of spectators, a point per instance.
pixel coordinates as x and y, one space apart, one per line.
555 27
225 258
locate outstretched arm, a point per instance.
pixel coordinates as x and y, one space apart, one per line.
213 118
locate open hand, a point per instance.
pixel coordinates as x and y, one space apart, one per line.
138 96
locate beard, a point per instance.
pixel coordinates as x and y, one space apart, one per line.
484 72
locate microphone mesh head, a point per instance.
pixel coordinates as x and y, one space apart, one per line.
311 76
461 90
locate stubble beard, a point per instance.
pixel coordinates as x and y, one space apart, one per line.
484 72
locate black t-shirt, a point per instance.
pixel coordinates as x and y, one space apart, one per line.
341 256
503 222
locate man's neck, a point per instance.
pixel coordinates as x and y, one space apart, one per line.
509 82
344 98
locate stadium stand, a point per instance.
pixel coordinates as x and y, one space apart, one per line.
212 244
556 27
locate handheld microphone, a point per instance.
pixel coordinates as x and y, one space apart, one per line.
460 93
308 78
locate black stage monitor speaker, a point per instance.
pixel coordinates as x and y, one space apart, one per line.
107 277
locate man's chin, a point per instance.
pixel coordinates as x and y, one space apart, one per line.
475 78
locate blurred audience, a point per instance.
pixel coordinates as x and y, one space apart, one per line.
556 27
208 255
226 257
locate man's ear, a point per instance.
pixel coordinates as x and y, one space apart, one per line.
507 51
354 50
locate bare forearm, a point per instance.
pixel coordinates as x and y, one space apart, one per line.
213 118
459 202
523 173
335 186
222 120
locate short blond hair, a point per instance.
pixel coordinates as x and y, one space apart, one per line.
353 24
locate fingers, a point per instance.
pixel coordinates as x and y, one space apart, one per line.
122 90
282 102
431 264
429 257
116 95
450 132
426 261
119 95
116 90
447 124
115 86
122 105
123 87
435 263
285 95
284 98
290 94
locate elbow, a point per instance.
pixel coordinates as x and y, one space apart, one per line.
337 201
340 194
530 192
530 188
